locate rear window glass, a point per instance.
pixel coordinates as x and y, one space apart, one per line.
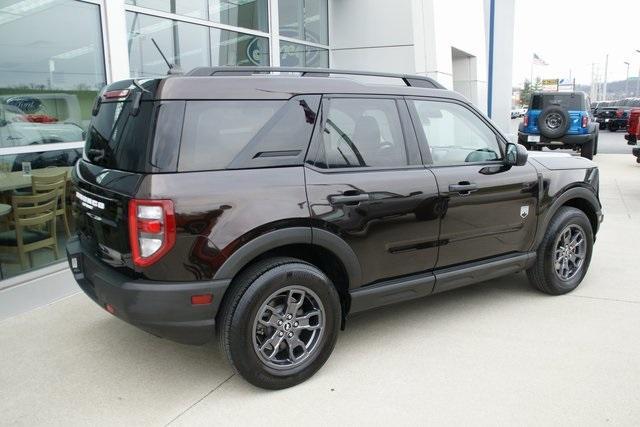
118 140
569 101
243 134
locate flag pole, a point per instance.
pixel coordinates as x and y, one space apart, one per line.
531 75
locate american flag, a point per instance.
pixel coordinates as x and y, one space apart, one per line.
538 61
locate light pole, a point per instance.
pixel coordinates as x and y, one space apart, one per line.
604 85
637 94
626 82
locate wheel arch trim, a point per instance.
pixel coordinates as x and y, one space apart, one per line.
580 193
291 236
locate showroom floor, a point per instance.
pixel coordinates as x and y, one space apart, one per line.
493 353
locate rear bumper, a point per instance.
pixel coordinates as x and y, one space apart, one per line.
161 308
566 139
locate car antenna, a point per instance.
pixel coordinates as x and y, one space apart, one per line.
172 67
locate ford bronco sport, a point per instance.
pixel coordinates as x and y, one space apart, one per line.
560 120
265 209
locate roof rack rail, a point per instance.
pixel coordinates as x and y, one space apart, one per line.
408 79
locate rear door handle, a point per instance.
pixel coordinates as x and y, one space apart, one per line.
353 199
463 188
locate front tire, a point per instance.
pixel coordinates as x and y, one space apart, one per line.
280 322
564 254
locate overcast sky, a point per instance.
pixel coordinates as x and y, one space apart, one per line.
573 34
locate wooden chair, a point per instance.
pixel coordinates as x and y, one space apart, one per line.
43 183
35 226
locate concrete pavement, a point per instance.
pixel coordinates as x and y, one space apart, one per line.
493 353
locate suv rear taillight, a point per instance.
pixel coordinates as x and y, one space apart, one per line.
152 230
585 121
526 120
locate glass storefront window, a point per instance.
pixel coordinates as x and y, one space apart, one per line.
24 247
49 77
240 13
231 48
52 66
188 45
299 55
251 14
304 20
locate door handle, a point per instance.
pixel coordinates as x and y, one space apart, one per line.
463 188
352 199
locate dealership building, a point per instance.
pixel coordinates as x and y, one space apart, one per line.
56 55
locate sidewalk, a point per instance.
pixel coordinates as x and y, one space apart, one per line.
493 353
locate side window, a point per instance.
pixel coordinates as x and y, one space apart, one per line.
455 134
361 132
246 134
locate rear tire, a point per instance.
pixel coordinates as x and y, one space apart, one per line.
549 274
279 323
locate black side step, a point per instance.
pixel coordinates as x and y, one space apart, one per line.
424 284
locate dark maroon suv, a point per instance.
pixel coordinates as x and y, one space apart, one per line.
266 208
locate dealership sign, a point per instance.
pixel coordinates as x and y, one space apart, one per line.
550 85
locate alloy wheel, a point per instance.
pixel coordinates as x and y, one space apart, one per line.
288 327
570 252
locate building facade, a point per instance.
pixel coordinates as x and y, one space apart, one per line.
57 54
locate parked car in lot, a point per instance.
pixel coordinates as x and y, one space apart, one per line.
621 118
614 115
266 209
605 118
633 126
19 128
559 120
518 112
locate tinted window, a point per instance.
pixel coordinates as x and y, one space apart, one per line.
361 133
570 101
118 140
242 134
455 134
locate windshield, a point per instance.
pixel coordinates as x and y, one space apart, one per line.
118 140
569 101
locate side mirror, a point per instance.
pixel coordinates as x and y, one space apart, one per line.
516 155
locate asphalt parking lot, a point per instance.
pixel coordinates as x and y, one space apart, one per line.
493 353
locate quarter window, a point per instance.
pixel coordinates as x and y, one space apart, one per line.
456 135
361 133
240 134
